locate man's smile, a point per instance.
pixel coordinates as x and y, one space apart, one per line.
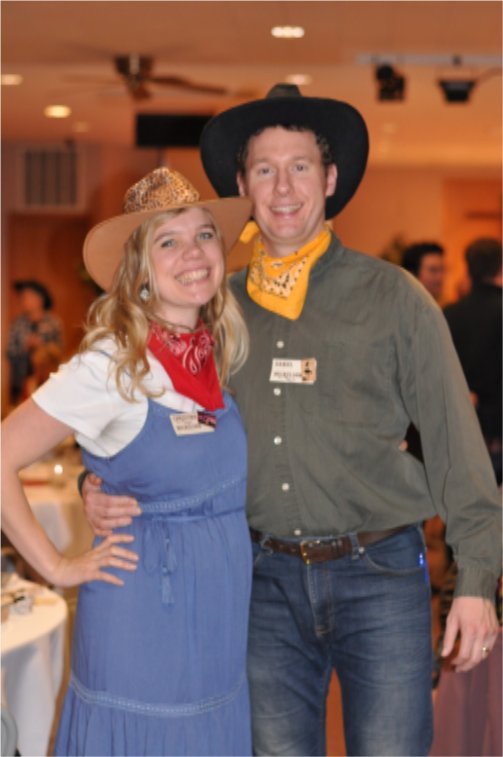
286 209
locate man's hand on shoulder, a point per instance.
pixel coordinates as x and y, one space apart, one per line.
105 512
475 619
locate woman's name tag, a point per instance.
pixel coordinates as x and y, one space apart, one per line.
294 371
188 424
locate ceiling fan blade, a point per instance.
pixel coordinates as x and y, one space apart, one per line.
176 81
88 80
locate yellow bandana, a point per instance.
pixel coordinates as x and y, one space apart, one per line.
280 284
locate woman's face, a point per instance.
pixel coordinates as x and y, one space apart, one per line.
188 264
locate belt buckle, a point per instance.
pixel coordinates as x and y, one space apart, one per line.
305 544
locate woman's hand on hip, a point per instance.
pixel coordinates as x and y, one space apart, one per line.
90 566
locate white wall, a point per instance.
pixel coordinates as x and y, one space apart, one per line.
391 203
406 202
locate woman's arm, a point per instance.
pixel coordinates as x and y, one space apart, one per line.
27 434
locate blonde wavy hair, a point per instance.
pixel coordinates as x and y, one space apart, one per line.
122 316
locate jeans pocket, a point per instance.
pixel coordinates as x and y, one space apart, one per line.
258 555
400 555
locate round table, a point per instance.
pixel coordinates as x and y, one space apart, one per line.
32 667
57 505
60 512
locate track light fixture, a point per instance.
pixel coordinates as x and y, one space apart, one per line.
391 86
456 90
459 90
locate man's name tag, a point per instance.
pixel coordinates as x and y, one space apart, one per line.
188 424
294 371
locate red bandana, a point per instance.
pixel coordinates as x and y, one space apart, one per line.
188 361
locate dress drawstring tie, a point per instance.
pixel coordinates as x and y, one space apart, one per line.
157 550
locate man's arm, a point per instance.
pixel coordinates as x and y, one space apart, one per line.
105 512
461 481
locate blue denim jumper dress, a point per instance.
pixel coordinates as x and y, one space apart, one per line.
159 664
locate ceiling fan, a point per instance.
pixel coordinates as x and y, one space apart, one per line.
136 72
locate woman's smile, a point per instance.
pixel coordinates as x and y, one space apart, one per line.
188 277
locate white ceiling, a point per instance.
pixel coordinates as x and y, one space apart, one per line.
229 43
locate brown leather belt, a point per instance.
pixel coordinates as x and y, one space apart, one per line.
319 550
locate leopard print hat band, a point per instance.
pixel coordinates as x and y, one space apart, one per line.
159 191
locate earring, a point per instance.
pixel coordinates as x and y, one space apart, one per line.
144 293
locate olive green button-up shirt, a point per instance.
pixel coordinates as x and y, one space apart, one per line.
325 457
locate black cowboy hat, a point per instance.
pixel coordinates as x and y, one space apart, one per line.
37 287
341 125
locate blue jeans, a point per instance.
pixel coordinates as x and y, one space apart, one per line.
368 615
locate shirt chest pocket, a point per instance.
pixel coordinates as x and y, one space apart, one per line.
354 383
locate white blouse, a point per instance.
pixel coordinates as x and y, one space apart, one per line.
84 396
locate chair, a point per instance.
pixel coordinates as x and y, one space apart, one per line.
9 734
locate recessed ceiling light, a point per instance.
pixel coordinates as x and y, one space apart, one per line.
11 80
57 111
80 126
299 79
287 32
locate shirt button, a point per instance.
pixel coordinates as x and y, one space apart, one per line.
277 440
297 532
280 345
277 391
285 487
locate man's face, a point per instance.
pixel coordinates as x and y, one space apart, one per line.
286 180
32 303
431 274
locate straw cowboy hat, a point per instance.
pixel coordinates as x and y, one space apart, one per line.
158 192
341 125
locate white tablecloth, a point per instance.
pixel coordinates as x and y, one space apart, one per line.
58 509
33 656
32 670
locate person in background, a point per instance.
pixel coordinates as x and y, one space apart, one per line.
35 327
425 261
476 328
